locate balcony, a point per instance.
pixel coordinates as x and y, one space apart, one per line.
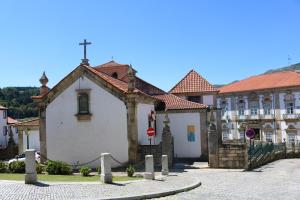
267 117
253 117
241 117
291 117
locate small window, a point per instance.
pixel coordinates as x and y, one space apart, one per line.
83 103
196 99
291 138
269 137
225 135
290 108
4 130
4 114
242 135
115 75
191 133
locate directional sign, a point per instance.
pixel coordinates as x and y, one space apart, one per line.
150 131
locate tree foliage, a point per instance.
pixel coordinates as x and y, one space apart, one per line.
18 101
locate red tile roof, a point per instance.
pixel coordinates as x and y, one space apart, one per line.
11 120
265 81
31 122
119 84
176 103
191 83
121 70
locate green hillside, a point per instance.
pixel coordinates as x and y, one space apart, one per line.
18 101
289 68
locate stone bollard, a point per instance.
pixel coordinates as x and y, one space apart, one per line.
106 176
149 172
164 165
30 167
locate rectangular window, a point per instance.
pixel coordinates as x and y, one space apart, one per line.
269 137
4 130
290 108
4 114
241 110
83 103
242 135
225 135
191 133
291 138
267 109
196 99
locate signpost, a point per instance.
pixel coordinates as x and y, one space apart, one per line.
150 133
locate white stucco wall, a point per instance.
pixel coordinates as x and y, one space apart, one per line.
34 140
178 125
143 110
208 100
74 141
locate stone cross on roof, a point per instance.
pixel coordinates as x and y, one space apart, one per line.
85 60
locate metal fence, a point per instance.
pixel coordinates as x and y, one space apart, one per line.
262 153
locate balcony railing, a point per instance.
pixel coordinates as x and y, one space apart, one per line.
253 117
291 116
270 116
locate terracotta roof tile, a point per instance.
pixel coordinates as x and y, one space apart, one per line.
31 122
265 81
192 82
176 103
121 70
121 85
11 120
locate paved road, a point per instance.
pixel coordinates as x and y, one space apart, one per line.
278 180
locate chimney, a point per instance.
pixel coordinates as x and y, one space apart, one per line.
131 77
44 89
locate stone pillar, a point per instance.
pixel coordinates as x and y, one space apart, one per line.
42 114
149 166
167 141
106 176
30 168
213 142
42 133
203 135
164 165
132 134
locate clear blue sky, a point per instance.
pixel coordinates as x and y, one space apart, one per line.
222 40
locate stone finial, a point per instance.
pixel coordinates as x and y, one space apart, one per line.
131 77
166 120
44 80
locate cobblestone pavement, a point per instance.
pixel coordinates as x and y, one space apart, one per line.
277 180
20 191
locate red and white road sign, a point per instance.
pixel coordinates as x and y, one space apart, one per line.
150 131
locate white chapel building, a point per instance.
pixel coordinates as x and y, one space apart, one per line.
107 108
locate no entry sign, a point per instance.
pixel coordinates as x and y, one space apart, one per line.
150 131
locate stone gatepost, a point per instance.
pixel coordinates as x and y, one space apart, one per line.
106 176
149 166
30 167
167 141
164 165
213 142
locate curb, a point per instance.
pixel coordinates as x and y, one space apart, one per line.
157 195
